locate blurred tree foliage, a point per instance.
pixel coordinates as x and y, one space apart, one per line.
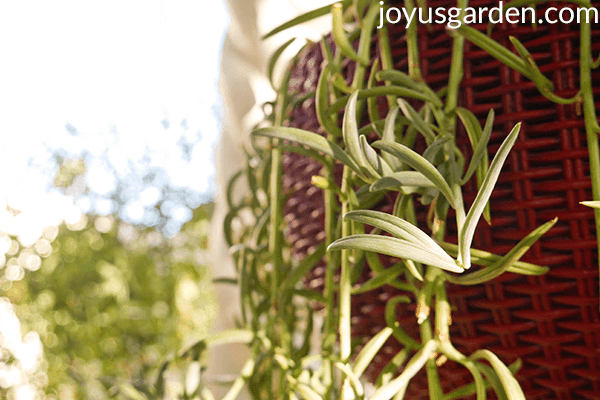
110 301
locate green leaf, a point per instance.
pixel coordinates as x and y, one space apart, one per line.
311 295
305 391
340 103
495 49
383 278
394 247
322 103
310 139
303 268
275 57
376 162
399 228
238 384
502 265
353 378
366 355
340 38
478 138
398 78
472 218
389 390
487 259
405 181
417 121
225 337
592 204
388 372
493 380
420 164
351 139
388 135
225 280
509 383
319 12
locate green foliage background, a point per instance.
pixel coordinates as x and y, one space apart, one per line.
110 301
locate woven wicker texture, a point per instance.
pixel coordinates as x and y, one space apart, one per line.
551 322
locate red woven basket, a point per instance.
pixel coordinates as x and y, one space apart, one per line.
551 322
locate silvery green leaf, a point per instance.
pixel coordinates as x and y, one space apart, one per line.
366 355
502 265
390 390
305 18
401 180
434 148
472 218
350 134
420 164
479 139
508 381
592 204
353 378
388 135
378 163
382 278
394 247
310 139
487 259
399 228
417 121
275 57
392 367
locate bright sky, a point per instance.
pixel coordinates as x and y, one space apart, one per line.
136 81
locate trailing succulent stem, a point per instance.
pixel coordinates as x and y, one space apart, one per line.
277 309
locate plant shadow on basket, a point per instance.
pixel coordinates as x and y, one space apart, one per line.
551 322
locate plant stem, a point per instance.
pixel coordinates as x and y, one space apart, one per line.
414 64
589 113
345 276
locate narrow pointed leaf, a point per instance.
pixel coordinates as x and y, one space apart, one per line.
493 380
421 165
319 12
310 139
402 179
378 163
377 267
322 103
388 135
394 247
509 383
399 228
592 204
388 391
303 268
275 57
340 37
307 392
351 139
416 119
392 367
502 265
368 353
472 218
487 259
479 140
225 337
353 378
382 278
